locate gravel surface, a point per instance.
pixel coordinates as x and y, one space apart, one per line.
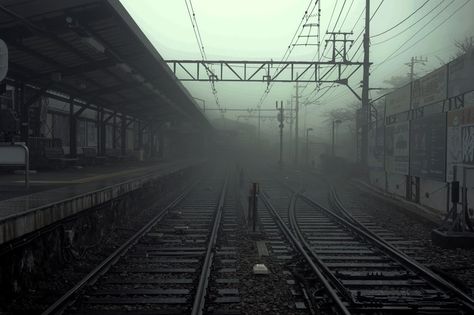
54 283
455 262
263 294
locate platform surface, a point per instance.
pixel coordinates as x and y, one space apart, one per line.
57 194
12 185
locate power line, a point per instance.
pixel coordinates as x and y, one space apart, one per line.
197 35
339 16
332 14
391 56
360 45
427 34
413 24
291 46
358 19
375 12
402 21
347 13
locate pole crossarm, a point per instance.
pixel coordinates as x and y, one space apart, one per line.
259 71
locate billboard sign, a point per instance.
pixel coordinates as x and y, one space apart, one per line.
398 101
376 147
397 148
461 74
431 88
460 144
428 147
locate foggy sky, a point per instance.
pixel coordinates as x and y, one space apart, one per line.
262 30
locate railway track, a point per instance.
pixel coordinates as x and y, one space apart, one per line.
353 270
168 265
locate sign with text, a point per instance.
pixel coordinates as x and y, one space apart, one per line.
461 74
428 146
376 147
431 88
398 101
460 144
397 148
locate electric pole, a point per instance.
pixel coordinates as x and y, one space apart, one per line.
365 88
411 64
291 127
281 119
259 116
296 123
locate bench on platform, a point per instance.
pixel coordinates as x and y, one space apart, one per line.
89 156
114 154
56 155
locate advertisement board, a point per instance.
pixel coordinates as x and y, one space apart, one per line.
398 101
461 75
431 88
376 147
428 147
460 142
397 148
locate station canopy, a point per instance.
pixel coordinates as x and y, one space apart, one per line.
93 51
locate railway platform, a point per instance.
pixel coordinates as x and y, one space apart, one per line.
54 196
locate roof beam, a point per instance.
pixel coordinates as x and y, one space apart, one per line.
114 89
80 69
37 95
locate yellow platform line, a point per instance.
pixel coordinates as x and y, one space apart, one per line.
86 179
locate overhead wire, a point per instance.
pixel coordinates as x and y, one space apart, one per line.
402 21
347 13
354 56
411 25
325 47
339 15
290 47
392 55
202 51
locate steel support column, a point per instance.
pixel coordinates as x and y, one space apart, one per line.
114 132
100 131
123 135
24 114
140 135
72 130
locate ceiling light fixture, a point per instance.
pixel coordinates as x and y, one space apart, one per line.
92 42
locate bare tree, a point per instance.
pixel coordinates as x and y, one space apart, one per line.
341 113
397 81
464 46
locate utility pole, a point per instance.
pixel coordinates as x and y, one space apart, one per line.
281 119
259 116
411 64
307 145
296 123
334 122
365 88
291 128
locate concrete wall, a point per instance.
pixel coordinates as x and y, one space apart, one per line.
396 184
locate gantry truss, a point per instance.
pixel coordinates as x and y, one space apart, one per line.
261 71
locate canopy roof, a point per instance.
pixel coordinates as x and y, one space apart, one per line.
92 50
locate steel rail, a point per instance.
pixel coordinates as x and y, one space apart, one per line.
398 256
328 274
293 239
107 263
201 291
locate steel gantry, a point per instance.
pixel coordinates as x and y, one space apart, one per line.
274 71
260 71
